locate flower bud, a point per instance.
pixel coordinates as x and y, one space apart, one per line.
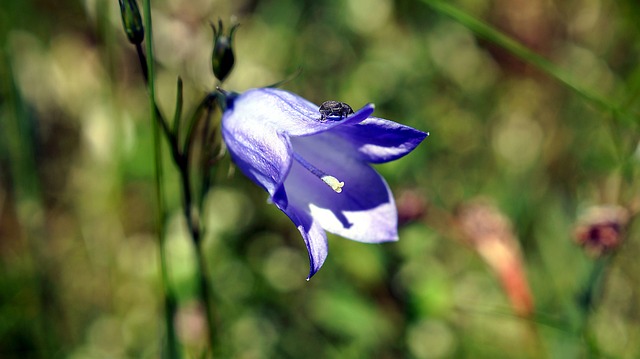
132 21
222 58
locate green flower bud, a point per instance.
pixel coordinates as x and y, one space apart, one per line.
222 58
132 21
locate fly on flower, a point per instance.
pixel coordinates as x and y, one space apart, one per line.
318 172
334 110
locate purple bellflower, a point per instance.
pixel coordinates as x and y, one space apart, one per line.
315 168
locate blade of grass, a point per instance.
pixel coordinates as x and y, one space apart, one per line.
170 301
489 33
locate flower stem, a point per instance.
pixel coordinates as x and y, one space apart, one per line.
205 294
588 298
193 222
148 72
181 159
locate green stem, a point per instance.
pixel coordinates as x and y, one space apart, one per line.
593 286
587 300
182 160
192 209
205 296
148 71
193 222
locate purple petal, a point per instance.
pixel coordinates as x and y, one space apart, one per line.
285 112
314 237
278 140
379 140
256 128
264 156
364 211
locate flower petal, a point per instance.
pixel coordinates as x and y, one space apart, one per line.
317 171
264 156
256 128
314 237
286 113
379 140
363 211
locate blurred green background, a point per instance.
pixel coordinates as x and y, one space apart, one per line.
79 263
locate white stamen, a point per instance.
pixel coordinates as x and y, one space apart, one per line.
333 182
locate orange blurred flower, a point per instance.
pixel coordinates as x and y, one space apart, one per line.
490 233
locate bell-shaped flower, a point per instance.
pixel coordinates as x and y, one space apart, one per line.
316 167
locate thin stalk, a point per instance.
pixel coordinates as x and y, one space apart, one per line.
175 128
182 161
148 71
205 296
588 299
143 64
193 222
192 209
593 287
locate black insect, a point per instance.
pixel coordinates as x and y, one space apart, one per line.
334 110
